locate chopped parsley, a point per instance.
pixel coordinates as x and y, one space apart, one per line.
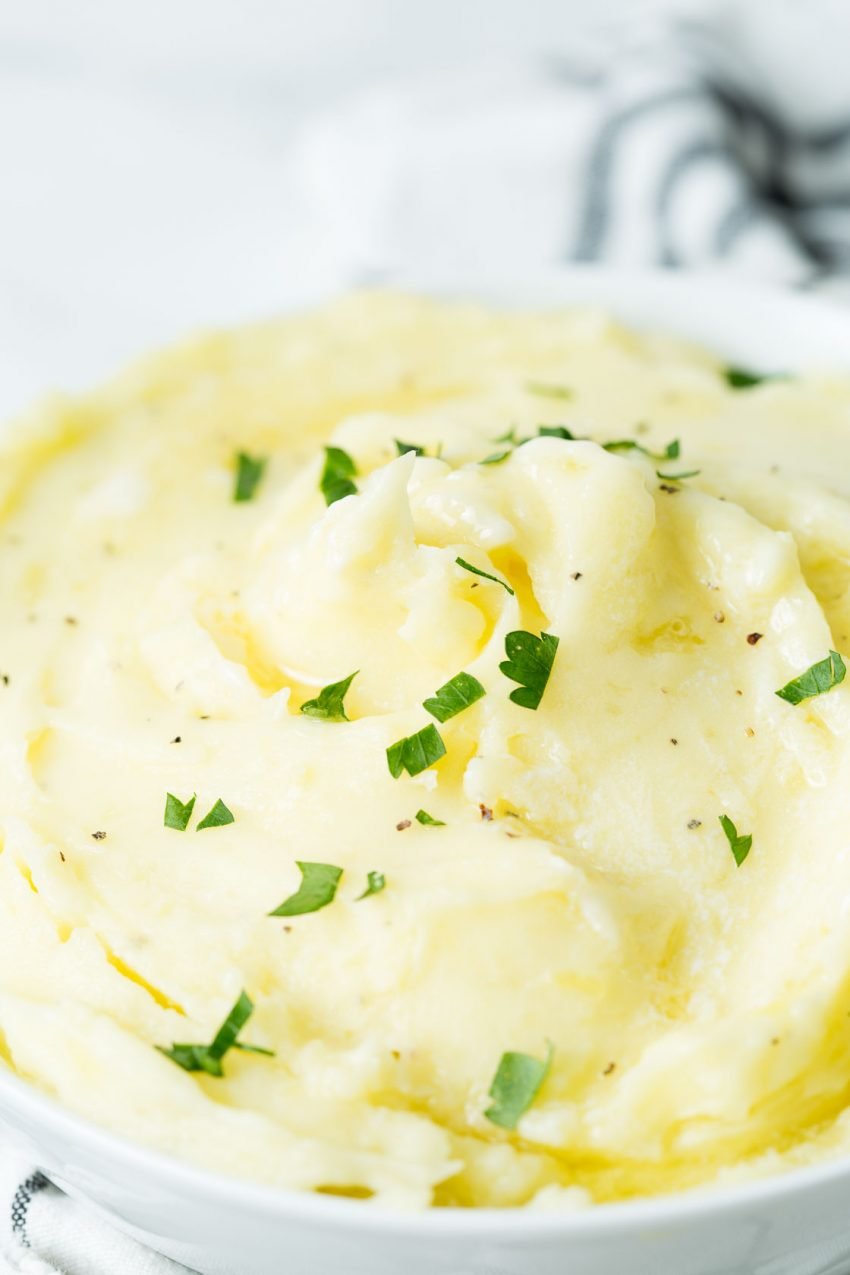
337 474
457 694
529 662
545 390
677 478
495 458
741 378
740 846
328 704
817 680
510 437
375 884
415 753
517 1082
217 817
485 575
556 431
177 812
428 821
317 889
208 1057
249 472
671 452
404 448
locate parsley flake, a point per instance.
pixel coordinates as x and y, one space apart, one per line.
249 472
495 459
741 378
208 1057
328 704
544 390
517 1082
529 662
817 680
404 448
337 475
457 694
376 882
556 431
677 478
485 575
428 821
415 753
177 812
317 889
217 817
740 846
671 452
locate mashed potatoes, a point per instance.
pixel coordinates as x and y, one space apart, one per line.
566 980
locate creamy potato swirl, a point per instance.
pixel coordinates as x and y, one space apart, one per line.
579 893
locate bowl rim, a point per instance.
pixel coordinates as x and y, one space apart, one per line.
586 286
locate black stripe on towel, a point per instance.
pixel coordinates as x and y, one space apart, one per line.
596 209
21 1201
692 155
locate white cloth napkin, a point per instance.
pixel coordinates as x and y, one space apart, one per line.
720 140
715 139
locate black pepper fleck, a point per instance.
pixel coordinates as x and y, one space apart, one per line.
752 638
606 1071
486 812
99 836
178 739
576 575
694 823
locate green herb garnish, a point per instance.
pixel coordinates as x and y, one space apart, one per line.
415 753
249 471
427 820
208 1057
529 662
337 475
177 812
317 889
517 1082
741 378
376 882
670 452
740 846
511 437
548 391
496 458
556 431
476 571
457 694
677 478
404 448
328 704
217 817
817 680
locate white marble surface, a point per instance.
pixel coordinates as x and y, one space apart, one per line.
144 152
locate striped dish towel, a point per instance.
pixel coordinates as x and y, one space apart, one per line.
723 140
715 140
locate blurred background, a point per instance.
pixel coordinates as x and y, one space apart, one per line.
177 163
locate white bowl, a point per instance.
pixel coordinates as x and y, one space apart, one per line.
794 1224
